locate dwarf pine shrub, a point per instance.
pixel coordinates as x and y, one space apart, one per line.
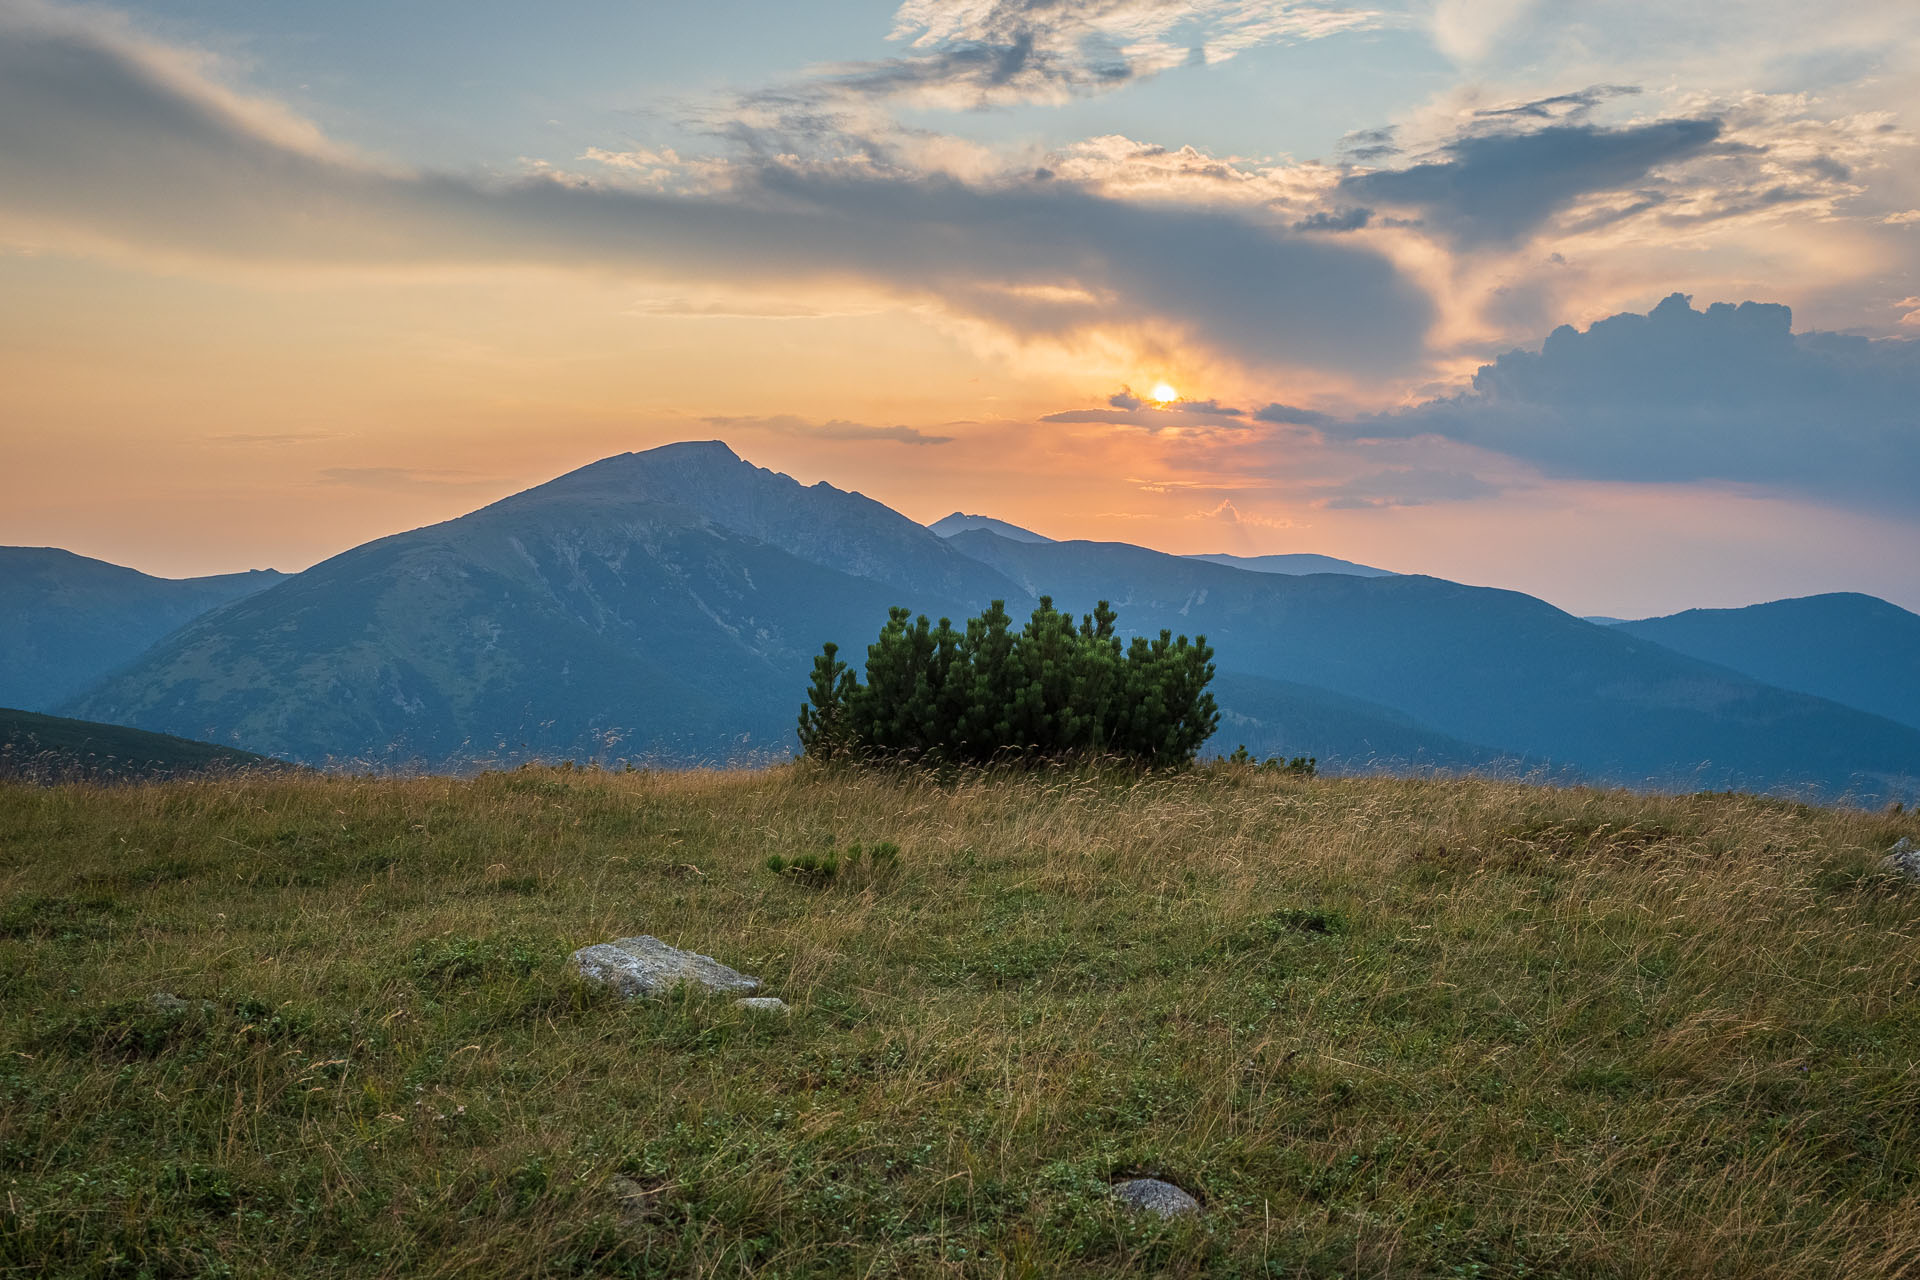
987 693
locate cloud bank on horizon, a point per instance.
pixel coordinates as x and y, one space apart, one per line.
1452 291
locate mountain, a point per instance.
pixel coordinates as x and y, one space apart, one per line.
70 620
1853 649
1347 735
664 606
53 749
1490 667
1296 563
960 522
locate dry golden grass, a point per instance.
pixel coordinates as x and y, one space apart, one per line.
1381 1027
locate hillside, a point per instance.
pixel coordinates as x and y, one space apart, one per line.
70 620
664 608
1854 649
43 748
1380 1028
633 609
1492 667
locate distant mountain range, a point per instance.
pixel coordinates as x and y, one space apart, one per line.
666 606
69 620
1853 649
1295 563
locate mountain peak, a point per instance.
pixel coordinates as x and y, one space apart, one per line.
961 522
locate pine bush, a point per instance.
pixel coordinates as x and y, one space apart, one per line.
986 693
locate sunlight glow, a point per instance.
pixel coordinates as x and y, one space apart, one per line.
1164 393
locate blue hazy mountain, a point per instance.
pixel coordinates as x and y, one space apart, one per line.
960 522
70 620
1294 563
667 606
1494 668
1853 649
664 605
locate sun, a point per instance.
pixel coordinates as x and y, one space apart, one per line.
1164 392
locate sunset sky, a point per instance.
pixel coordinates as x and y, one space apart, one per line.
277 279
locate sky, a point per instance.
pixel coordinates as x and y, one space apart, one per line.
1614 302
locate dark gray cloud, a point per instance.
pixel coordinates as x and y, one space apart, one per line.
1286 413
787 424
94 138
1335 220
1729 393
1560 106
1499 187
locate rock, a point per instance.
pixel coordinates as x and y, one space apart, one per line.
1904 857
635 1202
646 966
167 1002
1151 1195
765 1004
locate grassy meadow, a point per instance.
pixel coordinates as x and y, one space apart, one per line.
1380 1028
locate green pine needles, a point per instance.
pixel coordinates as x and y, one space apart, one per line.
987 693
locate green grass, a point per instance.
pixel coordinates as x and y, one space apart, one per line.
1381 1028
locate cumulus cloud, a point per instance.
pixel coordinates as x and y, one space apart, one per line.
787 424
98 140
1729 393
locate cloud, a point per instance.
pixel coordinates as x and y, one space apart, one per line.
1125 409
1405 487
1286 413
1726 394
1498 188
787 424
978 53
99 147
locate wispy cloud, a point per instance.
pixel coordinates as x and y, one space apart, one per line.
786 424
95 143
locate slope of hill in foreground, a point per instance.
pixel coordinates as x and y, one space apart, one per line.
1854 649
1380 1028
42 748
70 620
1491 667
627 610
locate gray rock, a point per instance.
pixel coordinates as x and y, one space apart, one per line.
1151 1195
167 1002
646 966
1904 857
635 1202
765 1004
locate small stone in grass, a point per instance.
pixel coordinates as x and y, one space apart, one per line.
1904 858
1151 1195
646 966
764 1004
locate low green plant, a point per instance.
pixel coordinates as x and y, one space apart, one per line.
823 868
1298 766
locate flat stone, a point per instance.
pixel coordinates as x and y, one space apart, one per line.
646 966
1151 1195
167 1002
765 1004
1904 857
